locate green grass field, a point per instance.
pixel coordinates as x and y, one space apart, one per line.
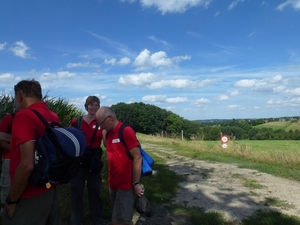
285 125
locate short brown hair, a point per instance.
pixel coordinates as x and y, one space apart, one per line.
30 88
90 100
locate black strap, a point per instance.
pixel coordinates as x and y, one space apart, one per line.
94 134
12 119
43 119
78 122
78 125
121 137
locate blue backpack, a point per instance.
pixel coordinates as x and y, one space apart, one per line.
57 154
147 160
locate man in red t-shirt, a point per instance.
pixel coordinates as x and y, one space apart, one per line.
123 172
27 204
5 126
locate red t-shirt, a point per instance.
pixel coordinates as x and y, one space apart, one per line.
119 164
88 129
5 124
28 127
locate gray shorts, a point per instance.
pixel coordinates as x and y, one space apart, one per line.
122 203
4 180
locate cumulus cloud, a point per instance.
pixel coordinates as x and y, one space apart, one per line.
152 81
172 6
164 99
222 97
234 93
246 83
20 49
146 60
56 76
200 101
234 4
137 80
122 62
293 3
180 84
273 84
2 46
236 107
7 77
295 91
83 65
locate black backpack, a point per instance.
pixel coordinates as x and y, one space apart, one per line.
57 154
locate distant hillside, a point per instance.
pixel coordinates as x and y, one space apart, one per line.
284 125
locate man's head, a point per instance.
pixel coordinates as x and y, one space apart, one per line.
106 118
26 93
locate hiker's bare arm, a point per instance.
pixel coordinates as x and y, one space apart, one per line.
4 136
4 145
137 168
23 170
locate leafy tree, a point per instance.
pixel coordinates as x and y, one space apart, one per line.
174 124
214 133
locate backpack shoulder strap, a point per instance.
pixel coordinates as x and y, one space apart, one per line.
79 122
121 137
12 119
94 134
39 115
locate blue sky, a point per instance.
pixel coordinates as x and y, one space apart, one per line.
201 59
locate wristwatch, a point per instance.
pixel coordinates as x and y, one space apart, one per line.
135 183
8 201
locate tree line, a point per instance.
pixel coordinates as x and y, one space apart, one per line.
150 119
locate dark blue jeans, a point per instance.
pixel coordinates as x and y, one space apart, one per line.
94 183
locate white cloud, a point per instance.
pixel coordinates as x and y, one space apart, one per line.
164 99
58 76
200 101
2 46
180 84
177 100
20 49
172 6
236 107
137 80
154 98
251 34
246 83
122 62
234 93
275 102
295 91
234 4
293 3
157 60
7 77
151 81
153 38
273 84
222 97
130 1
110 61
84 65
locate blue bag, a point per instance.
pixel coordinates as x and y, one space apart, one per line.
58 154
147 160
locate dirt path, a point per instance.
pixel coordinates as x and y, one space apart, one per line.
235 192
